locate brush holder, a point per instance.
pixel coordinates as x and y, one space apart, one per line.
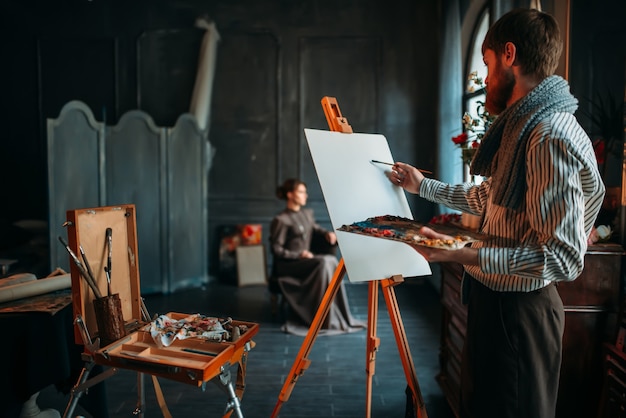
109 318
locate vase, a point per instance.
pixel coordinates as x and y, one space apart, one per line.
469 221
467 154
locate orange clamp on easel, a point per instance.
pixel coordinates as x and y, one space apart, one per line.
336 121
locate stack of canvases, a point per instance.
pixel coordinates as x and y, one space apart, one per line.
231 238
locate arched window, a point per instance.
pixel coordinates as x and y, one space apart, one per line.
474 94
475 64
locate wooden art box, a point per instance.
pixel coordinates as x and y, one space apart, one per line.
97 234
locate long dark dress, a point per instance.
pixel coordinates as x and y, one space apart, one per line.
303 281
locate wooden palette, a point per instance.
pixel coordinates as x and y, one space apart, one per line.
406 230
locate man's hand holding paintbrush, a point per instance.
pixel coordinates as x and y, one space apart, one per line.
406 176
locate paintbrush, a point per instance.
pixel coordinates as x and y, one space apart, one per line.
382 162
87 266
81 269
107 268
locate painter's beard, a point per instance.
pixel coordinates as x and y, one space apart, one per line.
500 91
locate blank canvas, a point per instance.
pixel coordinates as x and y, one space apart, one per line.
251 268
355 189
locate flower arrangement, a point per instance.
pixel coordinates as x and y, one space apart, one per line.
445 218
474 126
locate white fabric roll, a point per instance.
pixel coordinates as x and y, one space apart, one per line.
201 97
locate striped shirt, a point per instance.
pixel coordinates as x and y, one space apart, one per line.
546 239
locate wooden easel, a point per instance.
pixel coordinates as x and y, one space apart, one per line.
338 123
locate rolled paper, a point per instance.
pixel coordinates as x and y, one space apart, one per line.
35 288
16 279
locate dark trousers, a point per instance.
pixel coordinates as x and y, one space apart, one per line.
512 353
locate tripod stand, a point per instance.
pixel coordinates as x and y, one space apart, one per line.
339 123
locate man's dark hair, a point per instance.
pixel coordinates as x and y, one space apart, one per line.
536 36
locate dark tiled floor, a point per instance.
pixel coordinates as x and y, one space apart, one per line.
333 386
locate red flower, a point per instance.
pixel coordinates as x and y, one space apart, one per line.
446 218
460 139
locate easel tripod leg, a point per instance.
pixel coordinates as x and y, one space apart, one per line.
140 406
225 382
403 344
76 393
302 362
372 343
234 405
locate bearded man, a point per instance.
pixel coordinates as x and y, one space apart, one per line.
538 204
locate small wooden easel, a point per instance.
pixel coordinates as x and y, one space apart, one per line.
338 123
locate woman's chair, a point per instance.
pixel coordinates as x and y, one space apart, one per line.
319 245
276 293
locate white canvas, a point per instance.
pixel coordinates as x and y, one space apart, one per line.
355 189
251 268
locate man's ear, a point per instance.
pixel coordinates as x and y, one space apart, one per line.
509 54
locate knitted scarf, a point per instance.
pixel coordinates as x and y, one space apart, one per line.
502 152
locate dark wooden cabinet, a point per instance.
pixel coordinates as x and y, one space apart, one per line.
452 333
591 308
613 400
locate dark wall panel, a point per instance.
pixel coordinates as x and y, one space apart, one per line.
167 62
344 68
78 68
244 118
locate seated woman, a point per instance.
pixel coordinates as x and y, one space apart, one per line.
303 276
